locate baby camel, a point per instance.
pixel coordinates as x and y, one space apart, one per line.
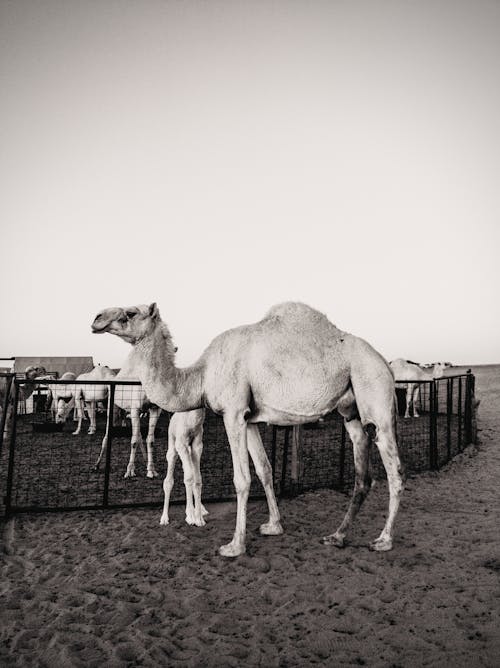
185 439
405 370
292 367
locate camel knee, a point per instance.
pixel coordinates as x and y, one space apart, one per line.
242 483
168 483
188 479
264 471
362 486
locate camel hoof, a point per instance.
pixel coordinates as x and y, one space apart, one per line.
75 433
196 522
271 529
204 511
333 539
164 520
129 474
151 474
381 545
232 550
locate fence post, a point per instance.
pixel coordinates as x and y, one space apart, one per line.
468 409
433 452
109 429
449 411
5 407
10 470
460 445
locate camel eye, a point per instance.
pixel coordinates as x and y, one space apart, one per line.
130 314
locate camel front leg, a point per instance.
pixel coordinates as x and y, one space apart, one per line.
409 397
236 429
265 474
416 393
196 452
362 481
183 448
388 448
91 410
154 414
135 440
80 413
168 483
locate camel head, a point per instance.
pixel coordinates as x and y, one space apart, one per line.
132 324
33 372
438 370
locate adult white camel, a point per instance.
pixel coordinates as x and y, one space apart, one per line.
404 370
292 367
132 398
185 440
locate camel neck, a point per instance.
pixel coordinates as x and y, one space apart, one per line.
167 386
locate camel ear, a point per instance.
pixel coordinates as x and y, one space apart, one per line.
154 313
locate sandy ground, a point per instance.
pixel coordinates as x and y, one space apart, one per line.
116 589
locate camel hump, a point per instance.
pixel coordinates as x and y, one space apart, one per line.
298 313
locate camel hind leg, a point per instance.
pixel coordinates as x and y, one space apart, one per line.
385 440
265 474
362 482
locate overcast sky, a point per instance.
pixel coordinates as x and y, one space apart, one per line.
218 157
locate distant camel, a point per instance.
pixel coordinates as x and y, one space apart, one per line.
406 370
132 398
292 367
185 439
62 397
89 395
26 389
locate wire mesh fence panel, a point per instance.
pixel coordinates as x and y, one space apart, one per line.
323 451
50 459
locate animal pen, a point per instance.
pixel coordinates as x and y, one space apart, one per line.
44 467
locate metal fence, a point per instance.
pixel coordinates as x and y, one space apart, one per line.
44 466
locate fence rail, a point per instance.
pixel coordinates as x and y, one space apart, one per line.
44 467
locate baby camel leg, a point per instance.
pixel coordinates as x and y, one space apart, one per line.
134 442
196 452
362 482
388 448
236 429
154 414
265 474
168 483
183 448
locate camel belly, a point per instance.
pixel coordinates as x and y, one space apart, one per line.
282 418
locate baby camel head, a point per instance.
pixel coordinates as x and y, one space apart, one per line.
131 324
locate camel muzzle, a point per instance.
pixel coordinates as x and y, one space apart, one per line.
105 319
